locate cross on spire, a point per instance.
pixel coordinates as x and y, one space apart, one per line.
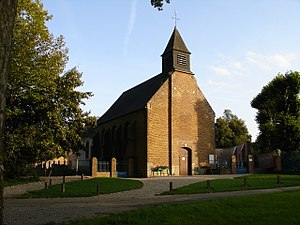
175 18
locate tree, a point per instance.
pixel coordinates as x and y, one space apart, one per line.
230 130
8 10
159 3
44 118
278 114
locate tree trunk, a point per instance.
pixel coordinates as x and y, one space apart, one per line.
8 10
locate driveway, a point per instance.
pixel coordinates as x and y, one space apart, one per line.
42 211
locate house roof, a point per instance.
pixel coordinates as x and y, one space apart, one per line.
176 43
134 99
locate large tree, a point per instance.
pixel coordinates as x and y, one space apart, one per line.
278 113
44 118
230 130
8 10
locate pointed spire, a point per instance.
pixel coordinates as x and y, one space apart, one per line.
176 55
176 43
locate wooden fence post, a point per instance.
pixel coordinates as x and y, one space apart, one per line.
245 182
208 185
171 186
63 185
278 180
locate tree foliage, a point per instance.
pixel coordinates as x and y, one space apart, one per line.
278 114
230 130
44 118
159 3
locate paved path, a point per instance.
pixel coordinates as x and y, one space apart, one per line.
42 211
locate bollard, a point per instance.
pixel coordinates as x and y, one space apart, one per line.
208 185
98 190
82 175
63 187
278 180
171 186
245 182
46 185
50 182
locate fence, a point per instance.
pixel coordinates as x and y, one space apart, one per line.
290 161
103 166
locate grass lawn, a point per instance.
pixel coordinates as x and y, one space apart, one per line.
257 181
265 209
86 188
21 180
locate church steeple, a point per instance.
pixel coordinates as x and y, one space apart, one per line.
176 55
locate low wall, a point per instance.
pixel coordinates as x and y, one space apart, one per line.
102 174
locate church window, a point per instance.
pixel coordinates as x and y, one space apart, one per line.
211 159
181 60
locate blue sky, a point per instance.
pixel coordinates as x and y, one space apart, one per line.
237 46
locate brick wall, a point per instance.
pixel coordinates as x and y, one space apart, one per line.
157 117
192 123
192 128
133 149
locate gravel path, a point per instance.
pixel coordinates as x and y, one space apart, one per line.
43 211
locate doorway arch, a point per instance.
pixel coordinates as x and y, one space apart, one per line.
185 161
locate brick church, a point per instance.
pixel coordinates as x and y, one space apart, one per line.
163 122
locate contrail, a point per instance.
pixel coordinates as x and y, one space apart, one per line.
130 25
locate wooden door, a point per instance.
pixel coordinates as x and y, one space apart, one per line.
183 162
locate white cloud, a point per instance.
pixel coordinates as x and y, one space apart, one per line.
284 61
267 62
237 65
220 70
220 84
258 60
229 67
131 23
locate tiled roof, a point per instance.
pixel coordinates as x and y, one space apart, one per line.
134 99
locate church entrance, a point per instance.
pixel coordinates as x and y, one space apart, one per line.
185 161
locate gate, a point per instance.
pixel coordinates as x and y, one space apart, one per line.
103 166
122 169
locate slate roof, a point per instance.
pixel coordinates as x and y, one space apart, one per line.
134 99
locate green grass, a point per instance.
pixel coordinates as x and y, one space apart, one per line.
86 188
266 209
20 180
257 181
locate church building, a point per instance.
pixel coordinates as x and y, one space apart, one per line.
164 122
